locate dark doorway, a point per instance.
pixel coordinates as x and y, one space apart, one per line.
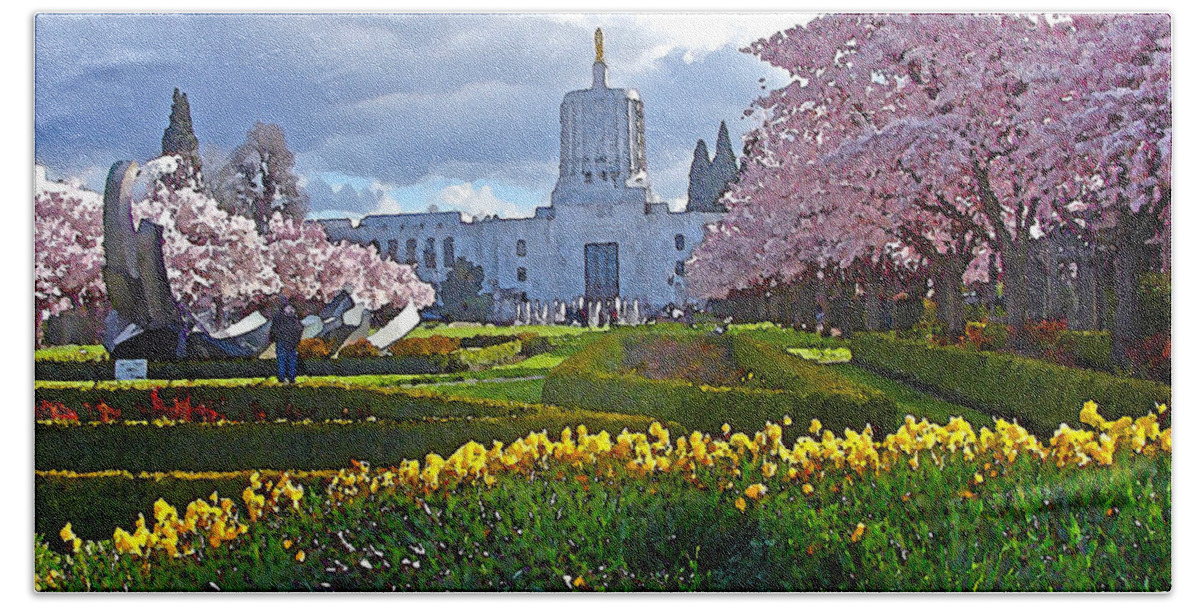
601 271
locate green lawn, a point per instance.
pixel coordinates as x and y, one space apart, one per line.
822 355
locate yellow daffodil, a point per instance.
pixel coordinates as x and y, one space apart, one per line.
857 535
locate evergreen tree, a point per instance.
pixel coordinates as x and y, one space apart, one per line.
699 192
724 169
460 293
180 140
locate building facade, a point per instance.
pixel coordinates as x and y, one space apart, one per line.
600 239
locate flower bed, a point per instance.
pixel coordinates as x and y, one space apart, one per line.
928 507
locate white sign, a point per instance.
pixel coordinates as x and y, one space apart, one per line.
130 369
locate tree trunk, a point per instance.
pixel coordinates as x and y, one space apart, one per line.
871 312
948 293
1124 331
1086 290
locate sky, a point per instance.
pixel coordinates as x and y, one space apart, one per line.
454 110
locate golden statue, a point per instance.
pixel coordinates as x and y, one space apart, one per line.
599 46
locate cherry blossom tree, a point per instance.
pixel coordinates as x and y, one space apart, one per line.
67 256
1124 139
219 265
310 267
949 136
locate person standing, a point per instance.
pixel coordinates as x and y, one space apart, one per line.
286 331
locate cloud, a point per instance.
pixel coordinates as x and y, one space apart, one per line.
474 202
401 99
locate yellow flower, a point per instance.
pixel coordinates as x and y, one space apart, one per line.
787 420
163 511
725 428
858 533
756 491
300 556
814 427
807 489
66 533
578 582
740 503
287 543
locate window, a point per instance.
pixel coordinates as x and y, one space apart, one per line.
393 245
679 268
520 248
587 177
448 252
430 254
521 274
410 251
679 242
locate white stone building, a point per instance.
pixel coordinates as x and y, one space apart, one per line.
601 237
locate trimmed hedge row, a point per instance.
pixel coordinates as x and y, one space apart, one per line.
479 358
781 385
282 446
246 368
95 505
1040 395
316 401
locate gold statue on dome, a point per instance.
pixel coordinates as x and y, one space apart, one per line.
599 46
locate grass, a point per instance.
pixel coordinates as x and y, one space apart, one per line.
70 353
521 391
822 355
912 401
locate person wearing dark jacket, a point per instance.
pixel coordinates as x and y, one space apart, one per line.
286 331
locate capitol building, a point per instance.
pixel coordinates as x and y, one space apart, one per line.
602 238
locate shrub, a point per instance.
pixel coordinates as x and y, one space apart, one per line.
314 348
1090 349
433 345
1151 358
284 446
270 401
246 368
985 335
1046 333
359 349
776 384
473 358
1039 394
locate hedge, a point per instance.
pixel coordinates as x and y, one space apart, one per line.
782 385
285 445
246 368
1040 395
316 401
479 358
96 505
